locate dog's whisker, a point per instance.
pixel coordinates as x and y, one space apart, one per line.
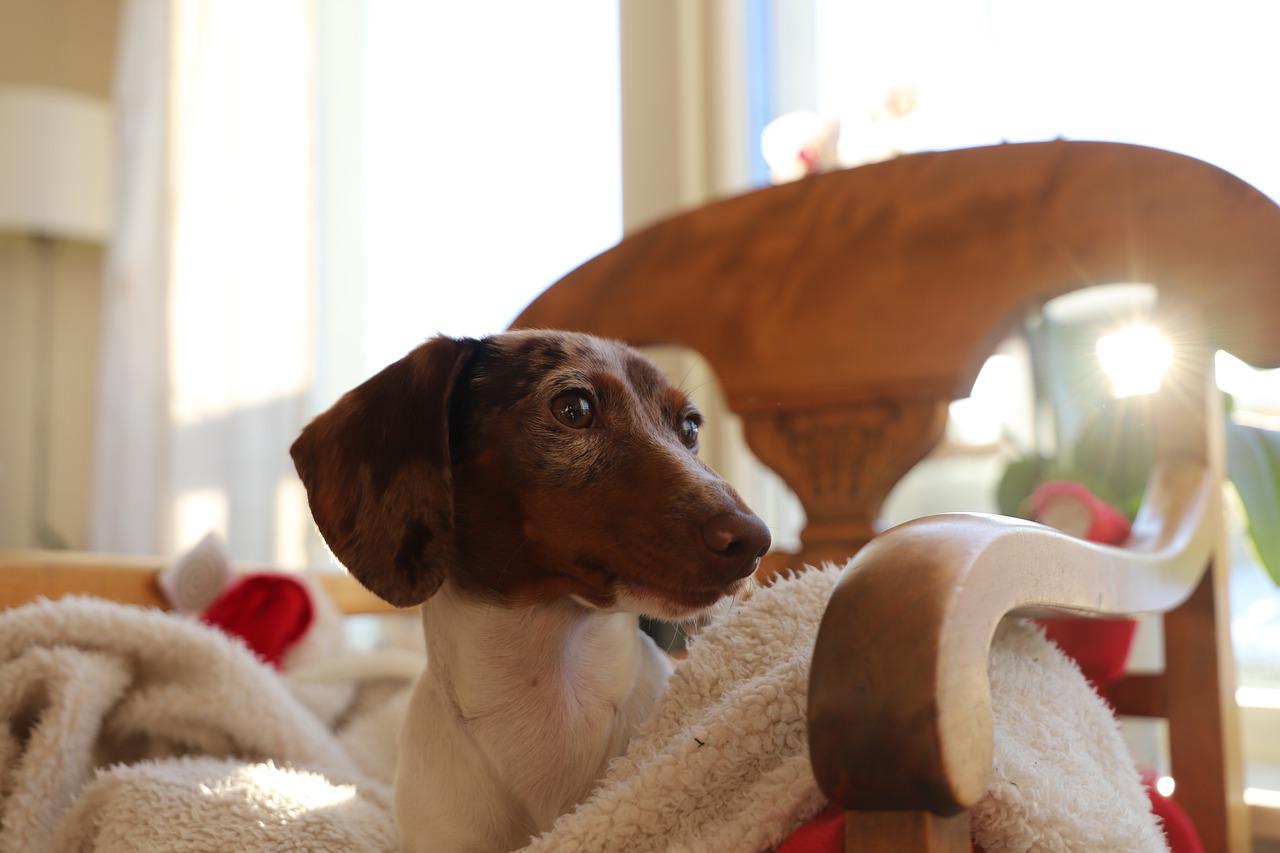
694 389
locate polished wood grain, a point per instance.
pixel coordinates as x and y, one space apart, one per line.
1140 695
1265 821
1198 683
1196 694
906 832
28 575
843 311
1199 698
899 702
899 277
934 590
867 287
842 461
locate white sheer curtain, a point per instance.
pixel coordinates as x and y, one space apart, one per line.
491 160
310 188
209 291
130 513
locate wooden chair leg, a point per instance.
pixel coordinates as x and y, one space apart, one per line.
1199 702
906 832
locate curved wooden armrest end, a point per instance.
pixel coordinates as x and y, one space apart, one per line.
899 698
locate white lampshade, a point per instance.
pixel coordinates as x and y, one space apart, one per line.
55 163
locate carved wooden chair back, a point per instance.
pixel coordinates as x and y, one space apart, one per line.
843 312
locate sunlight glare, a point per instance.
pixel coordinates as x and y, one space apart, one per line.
979 418
292 793
197 512
1266 698
1135 360
1264 797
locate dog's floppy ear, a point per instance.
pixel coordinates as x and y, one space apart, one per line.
376 468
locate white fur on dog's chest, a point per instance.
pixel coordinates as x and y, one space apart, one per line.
516 717
545 713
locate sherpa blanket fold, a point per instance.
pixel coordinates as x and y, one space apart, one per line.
724 763
124 729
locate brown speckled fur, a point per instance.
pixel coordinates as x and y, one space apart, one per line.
450 461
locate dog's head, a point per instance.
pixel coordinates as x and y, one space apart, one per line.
527 466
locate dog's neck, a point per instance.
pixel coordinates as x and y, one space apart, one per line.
545 693
492 658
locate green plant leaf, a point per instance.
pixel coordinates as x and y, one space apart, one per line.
1024 475
1253 464
1113 455
1017 483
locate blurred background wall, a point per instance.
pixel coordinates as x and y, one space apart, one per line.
68 45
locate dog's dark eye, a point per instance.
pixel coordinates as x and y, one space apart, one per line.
573 409
689 430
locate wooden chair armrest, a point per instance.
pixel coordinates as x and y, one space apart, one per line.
28 575
899 700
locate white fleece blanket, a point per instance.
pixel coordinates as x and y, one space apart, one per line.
724 763
123 729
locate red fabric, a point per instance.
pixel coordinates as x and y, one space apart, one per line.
1179 831
269 612
824 833
1107 524
1100 646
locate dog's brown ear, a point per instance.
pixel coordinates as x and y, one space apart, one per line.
376 468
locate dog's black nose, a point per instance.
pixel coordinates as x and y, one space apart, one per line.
738 536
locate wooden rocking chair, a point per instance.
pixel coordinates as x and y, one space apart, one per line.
841 314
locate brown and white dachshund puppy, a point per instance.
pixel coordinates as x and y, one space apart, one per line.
537 490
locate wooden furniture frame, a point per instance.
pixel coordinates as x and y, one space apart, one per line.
841 314
28 575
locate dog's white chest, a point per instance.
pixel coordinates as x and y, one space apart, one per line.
517 717
550 721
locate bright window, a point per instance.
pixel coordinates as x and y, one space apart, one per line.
468 155
485 141
1198 78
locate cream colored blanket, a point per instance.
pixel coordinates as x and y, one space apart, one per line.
123 729
724 763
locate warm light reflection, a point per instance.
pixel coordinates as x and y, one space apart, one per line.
1264 797
1258 697
1165 786
293 522
979 418
1254 391
1135 360
296 792
196 513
